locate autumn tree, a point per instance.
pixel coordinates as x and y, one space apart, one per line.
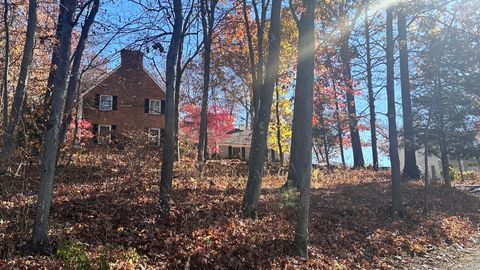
345 56
207 13
220 121
73 81
260 131
371 97
301 147
255 53
10 126
410 170
166 177
51 138
392 117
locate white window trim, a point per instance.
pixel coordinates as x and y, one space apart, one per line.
109 130
159 134
100 103
150 111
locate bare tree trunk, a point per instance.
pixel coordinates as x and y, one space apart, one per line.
425 190
178 81
260 131
339 126
207 10
444 159
6 65
410 170
75 73
351 110
302 122
279 133
166 178
325 146
256 84
51 137
392 123
461 169
54 60
371 98
20 93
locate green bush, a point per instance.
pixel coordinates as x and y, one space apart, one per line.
76 257
289 196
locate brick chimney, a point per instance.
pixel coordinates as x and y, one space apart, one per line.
131 58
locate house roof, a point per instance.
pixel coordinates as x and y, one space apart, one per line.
238 137
123 63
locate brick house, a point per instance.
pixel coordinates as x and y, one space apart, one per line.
127 100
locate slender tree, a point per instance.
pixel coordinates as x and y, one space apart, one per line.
207 11
339 124
392 125
256 67
181 66
345 56
6 63
166 178
371 97
73 82
19 98
279 124
410 170
302 121
51 137
260 130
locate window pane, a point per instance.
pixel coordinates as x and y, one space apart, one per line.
154 136
106 102
154 106
103 136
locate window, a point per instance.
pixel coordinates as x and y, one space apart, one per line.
154 136
155 106
104 134
106 103
234 152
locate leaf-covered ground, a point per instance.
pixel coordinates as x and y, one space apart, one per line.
105 211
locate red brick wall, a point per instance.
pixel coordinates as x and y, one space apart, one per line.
132 85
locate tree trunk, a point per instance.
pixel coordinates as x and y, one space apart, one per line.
166 178
208 16
358 161
279 133
75 73
371 98
6 65
302 122
178 81
260 131
20 94
256 82
392 123
461 169
425 190
325 146
410 170
51 137
444 159
339 125
53 61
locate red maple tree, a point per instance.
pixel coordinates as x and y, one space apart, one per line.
220 121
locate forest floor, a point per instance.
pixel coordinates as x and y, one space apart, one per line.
105 213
